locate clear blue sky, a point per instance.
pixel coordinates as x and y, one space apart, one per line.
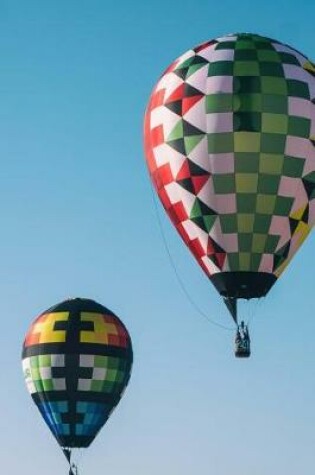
77 219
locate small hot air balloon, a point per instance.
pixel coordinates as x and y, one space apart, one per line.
229 141
77 359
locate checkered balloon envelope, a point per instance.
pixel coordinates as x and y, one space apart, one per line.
77 359
229 141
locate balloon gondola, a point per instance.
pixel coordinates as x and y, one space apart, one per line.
229 137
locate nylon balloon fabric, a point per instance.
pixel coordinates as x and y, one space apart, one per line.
77 359
229 141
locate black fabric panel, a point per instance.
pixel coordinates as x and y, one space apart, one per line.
79 304
85 349
88 396
58 372
82 441
243 285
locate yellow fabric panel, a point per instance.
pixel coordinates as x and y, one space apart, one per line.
244 258
297 214
309 66
46 330
246 182
271 164
247 142
102 329
281 268
245 222
303 230
259 242
265 204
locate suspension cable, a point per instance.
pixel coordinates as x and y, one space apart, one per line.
178 277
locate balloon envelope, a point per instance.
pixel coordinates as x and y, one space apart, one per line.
77 359
229 142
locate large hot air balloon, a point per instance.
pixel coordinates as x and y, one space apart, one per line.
77 359
229 142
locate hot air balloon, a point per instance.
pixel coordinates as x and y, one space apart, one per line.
230 145
77 359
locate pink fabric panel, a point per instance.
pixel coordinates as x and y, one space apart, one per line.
300 107
199 79
216 232
292 71
196 115
225 204
287 186
212 268
231 242
221 163
222 55
311 220
266 263
217 84
297 147
280 226
199 155
301 198
309 165
207 52
222 122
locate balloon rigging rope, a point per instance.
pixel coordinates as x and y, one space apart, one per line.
178 277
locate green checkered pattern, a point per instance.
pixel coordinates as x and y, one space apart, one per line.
38 373
108 374
259 102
